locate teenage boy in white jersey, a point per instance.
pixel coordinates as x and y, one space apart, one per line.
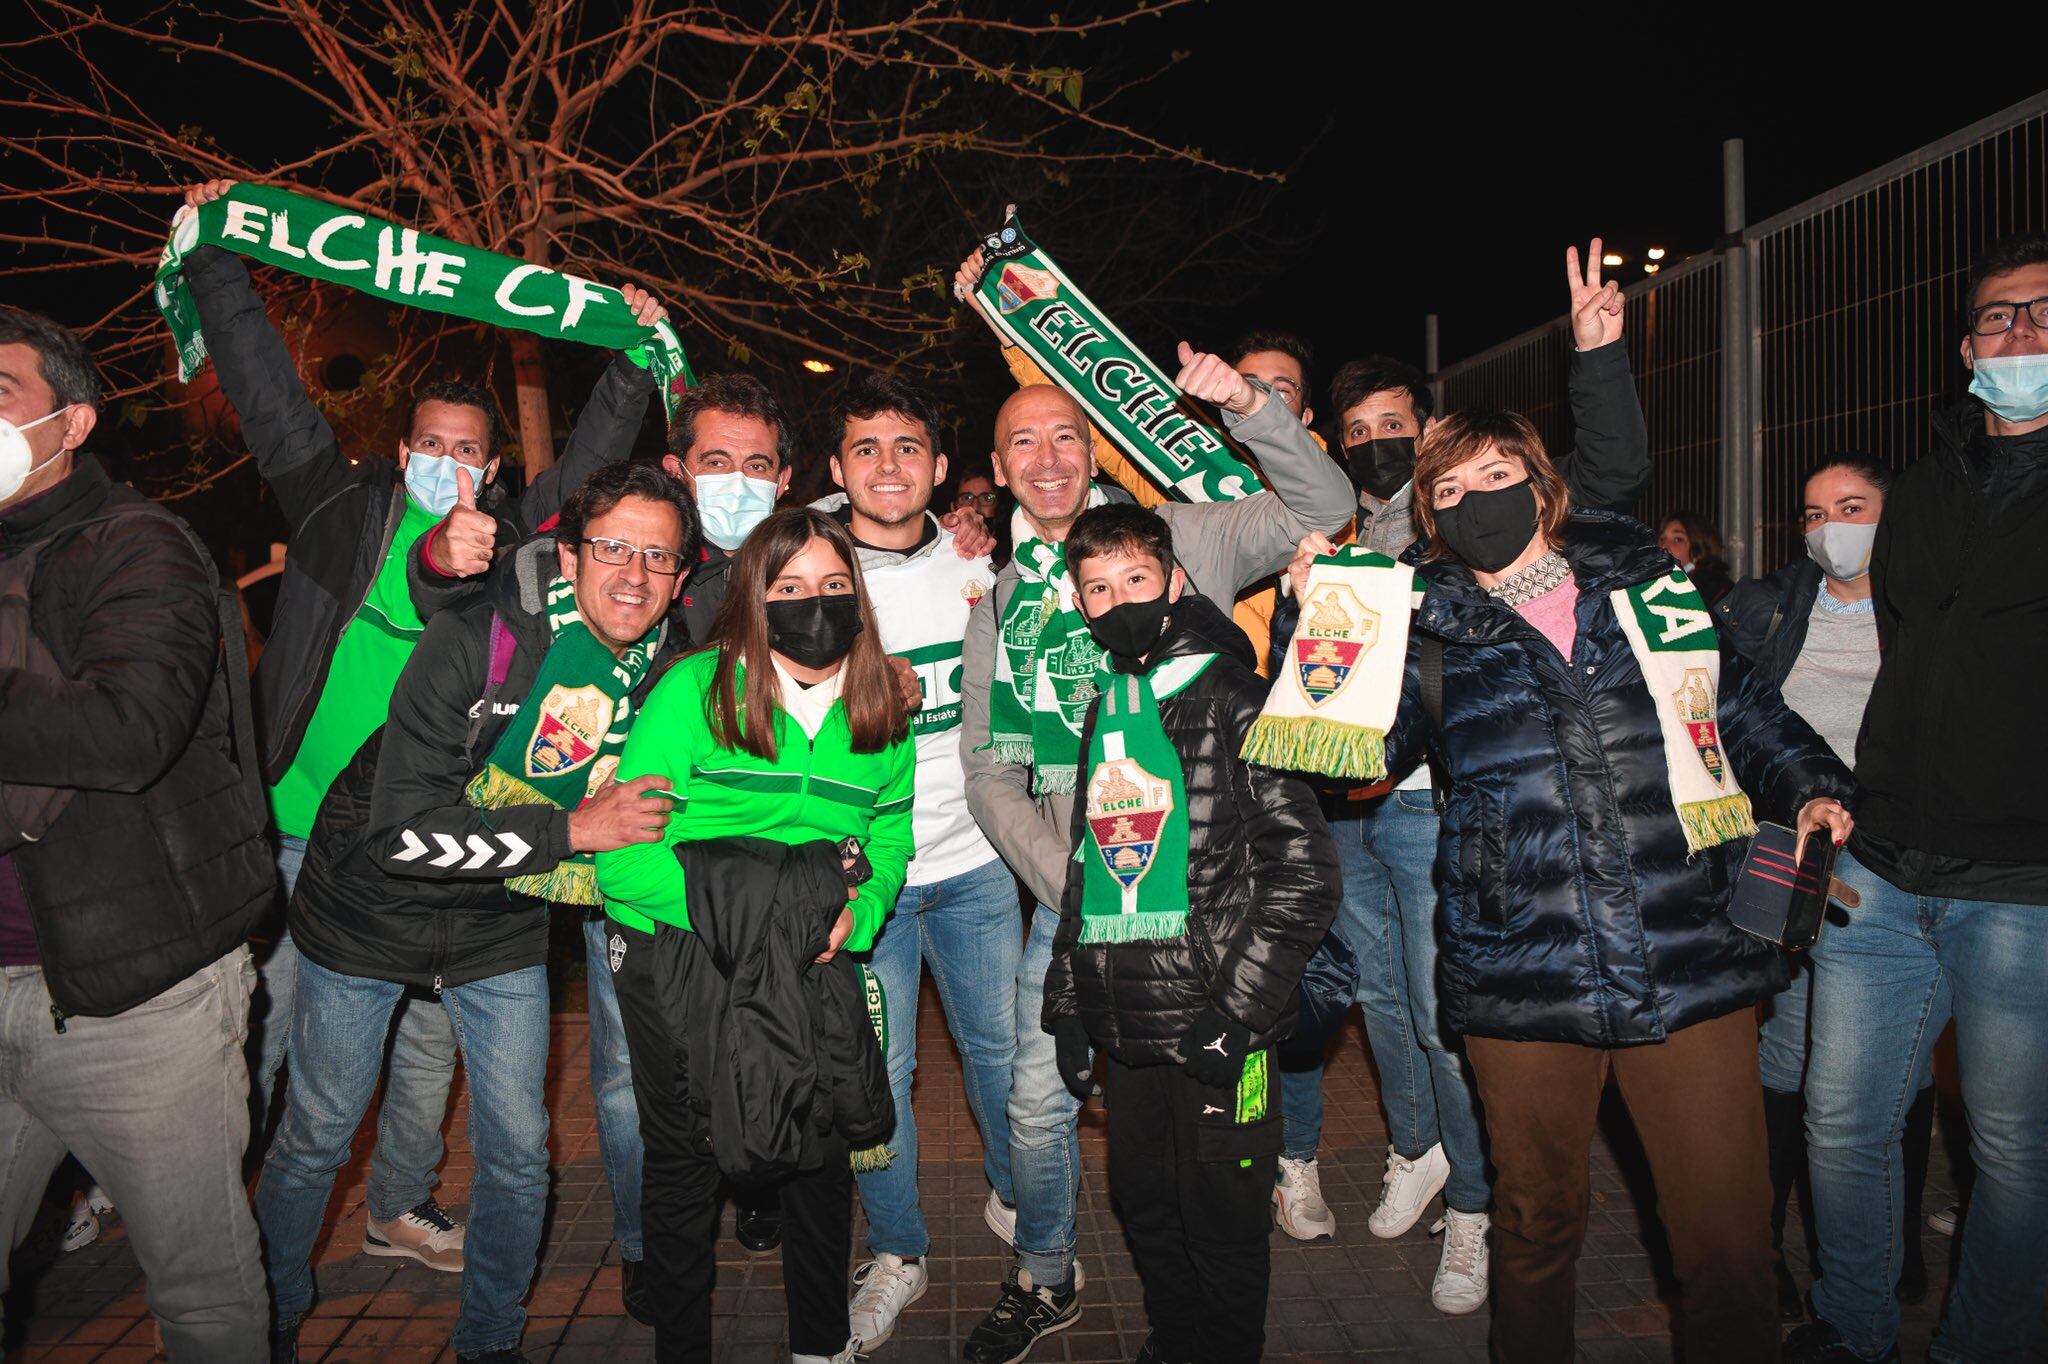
959 908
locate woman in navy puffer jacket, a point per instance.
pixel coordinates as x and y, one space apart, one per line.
1579 936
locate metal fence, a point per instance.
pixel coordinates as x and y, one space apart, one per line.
1845 317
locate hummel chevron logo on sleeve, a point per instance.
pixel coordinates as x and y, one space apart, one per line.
480 850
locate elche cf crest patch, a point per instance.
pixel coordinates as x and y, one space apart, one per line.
1126 811
1695 698
618 952
573 721
1336 631
1018 285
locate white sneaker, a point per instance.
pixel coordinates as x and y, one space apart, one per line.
83 1228
1001 1218
1460 1285
1405 1190
425 1233
883 1287
1944 1222
96 1198
1298 1207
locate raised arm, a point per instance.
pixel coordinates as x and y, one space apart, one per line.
295 449
605 429
1609 465
1307 491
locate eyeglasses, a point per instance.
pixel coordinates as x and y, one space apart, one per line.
1990 319
617 553
988 497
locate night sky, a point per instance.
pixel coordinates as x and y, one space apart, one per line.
1443 165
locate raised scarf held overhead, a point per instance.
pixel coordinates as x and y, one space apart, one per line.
1031 304
1340 687
564 744
1671 633
1048 667
405 266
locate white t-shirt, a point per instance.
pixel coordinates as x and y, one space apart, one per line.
922 601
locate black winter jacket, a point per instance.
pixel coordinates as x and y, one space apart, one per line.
1951 747
1765 619
343 514
368 903
160 863
1570 909
1263 884
776 1049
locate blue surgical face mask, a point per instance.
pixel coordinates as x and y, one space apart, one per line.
2014 387
730 505
431 480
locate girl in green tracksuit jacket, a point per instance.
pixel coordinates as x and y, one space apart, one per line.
790 728
813 788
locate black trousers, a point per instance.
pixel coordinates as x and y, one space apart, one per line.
1192 1170
680 1180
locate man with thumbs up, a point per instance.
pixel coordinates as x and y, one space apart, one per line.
343 628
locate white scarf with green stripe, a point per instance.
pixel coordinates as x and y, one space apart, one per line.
1671 633
1336 697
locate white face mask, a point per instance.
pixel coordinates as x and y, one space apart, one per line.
1842 548
17 460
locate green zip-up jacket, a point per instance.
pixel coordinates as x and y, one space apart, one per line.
814 789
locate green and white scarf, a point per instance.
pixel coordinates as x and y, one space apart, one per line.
1032 304
876 1157
1336 698
1134 848
1672 635
404 266
563 745
1048 667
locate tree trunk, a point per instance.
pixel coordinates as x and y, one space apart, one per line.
530 382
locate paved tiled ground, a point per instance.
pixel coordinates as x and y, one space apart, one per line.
1357 1298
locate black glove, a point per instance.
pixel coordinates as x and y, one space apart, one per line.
1213 1049
1071 1054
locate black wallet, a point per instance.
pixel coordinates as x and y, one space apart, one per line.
1777 897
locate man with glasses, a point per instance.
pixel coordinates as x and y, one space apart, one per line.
435 857
1950 861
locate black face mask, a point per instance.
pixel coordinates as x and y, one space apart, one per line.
813 631
1489 530
1381 466
1130 630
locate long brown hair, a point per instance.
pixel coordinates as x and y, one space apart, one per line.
1468 434
744 717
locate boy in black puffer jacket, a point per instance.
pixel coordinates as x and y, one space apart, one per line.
1200 887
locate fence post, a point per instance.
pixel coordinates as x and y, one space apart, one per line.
1429 364
1739 522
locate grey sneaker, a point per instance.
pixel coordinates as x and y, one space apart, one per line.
425 1233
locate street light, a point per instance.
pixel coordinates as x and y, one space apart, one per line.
1655 253
1611 258
818 366
1652 268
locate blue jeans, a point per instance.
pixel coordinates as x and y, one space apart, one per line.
409 1146
338 1027
1885 983
611 1089
967 927
1388 918
1782 1040
1045 1147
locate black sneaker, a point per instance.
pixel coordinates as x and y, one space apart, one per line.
758 1229
1820 1343
635 1292
1023 1314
